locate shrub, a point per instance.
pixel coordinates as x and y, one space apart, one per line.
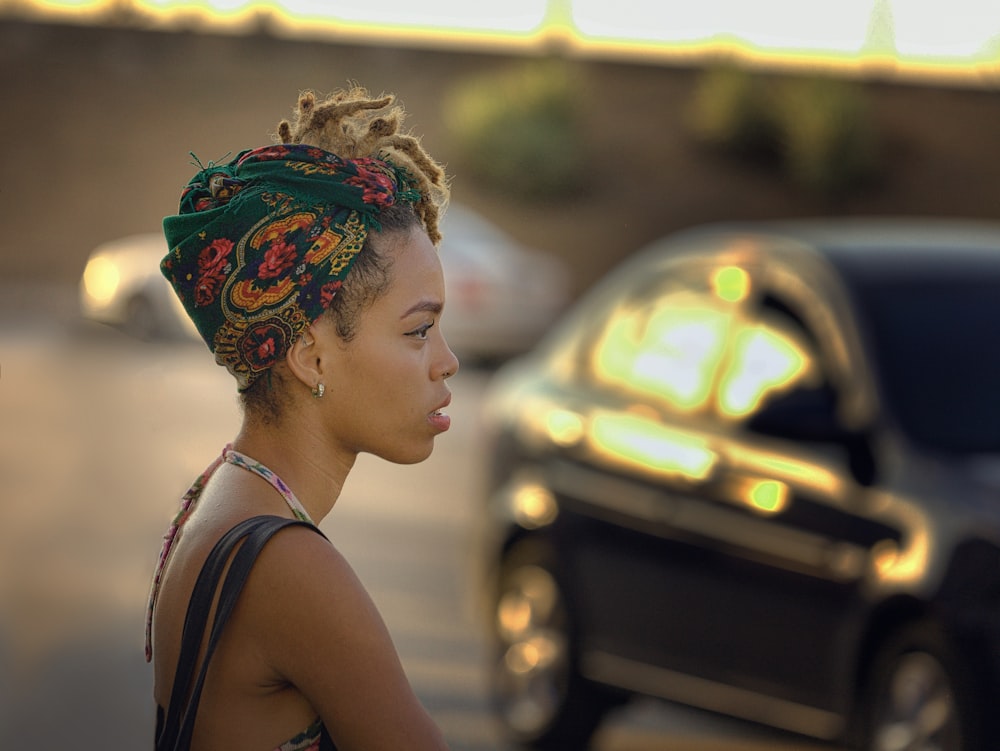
828 141
730 111
816 130
519 129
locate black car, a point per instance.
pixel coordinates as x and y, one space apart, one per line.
756 470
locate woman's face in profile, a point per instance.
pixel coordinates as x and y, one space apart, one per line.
387 392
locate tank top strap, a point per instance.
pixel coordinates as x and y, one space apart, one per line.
231 456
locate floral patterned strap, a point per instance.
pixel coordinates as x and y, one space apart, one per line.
234 457
186 509
307 740
230 456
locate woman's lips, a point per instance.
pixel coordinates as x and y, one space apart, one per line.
439 421
438 418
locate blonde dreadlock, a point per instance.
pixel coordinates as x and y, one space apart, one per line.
352 124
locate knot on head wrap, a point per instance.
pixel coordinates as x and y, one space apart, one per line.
262 244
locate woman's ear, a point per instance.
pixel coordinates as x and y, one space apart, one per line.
304 358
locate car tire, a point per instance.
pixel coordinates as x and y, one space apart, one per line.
540 697
141 319
921 697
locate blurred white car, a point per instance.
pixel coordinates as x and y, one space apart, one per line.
122 286
501 296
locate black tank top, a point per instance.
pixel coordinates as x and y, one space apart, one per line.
175 725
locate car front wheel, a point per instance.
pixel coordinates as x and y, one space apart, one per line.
542 700
920 698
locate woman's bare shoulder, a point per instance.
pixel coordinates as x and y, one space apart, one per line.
319 629
305 601
301 568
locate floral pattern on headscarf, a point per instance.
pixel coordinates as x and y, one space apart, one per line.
262 244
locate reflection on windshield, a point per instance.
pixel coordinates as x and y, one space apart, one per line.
693 352
764 360
670 354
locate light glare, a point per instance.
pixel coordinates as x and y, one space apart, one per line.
101 279
923 40
514 16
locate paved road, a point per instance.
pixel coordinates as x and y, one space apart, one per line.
99 436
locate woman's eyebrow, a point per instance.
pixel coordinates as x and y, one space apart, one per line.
424 306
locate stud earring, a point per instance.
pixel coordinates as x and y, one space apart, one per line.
318 390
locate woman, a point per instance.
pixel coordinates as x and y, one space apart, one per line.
309 267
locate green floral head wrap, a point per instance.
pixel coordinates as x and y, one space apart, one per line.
262 244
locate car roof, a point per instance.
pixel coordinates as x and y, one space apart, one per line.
868 246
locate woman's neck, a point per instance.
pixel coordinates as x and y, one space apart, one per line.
314 472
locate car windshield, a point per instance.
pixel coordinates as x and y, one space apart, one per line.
935 338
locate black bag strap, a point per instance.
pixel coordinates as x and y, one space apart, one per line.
178 726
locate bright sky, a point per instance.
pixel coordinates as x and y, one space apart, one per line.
929 34
957 28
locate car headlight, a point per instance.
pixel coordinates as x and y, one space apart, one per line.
100 279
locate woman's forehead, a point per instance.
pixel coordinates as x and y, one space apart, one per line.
416 279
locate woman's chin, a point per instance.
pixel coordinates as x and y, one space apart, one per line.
410 455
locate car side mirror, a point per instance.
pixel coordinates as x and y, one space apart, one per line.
800 415
811 415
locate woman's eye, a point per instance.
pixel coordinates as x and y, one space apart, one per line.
421 333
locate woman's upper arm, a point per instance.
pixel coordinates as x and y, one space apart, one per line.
320 631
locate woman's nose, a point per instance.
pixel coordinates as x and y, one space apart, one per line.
450 364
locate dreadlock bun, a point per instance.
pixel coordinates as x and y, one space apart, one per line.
353 124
